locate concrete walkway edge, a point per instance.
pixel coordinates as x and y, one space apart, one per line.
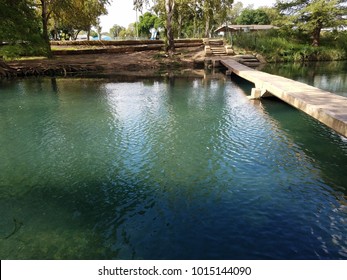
330 109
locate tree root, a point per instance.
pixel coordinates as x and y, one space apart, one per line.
46 70
7 71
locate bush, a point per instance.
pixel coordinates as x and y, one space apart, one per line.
276 47
12 51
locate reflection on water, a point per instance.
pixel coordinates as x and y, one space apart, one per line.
329 76
177 169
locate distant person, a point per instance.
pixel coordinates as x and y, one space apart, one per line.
153 33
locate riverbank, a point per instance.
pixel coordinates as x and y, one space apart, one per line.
139 63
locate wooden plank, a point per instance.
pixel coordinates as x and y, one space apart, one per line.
330 109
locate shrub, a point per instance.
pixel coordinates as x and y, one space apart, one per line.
276 47
12 51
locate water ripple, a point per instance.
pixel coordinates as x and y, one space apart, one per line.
156 170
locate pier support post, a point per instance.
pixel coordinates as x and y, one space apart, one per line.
216 63
256 93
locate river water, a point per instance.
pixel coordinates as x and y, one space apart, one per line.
329 76
165 169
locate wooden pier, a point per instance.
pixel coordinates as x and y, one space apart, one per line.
330 109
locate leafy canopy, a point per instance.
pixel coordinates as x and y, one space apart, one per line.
18 21
311 16
250 16
148 21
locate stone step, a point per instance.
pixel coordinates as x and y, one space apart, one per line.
218 50
244 56
249 60
216 43
251 64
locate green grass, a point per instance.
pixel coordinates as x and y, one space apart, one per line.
17 50
277 48
59 48
31 58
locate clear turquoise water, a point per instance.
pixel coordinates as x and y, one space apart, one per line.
165 169
329 76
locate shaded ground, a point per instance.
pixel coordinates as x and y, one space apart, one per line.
142 63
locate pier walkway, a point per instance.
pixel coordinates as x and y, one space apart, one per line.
328 108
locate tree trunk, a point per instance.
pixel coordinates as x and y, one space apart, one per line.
316 33
207 25
55 31
169 6
316 36
179 25
194 23
75 34
44 18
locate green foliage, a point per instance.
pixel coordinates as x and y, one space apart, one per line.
128 33
302 25
20 29
93 34
336 39
148 21
234 13
24 24
311 16
194 18
12 51
76 15
17 20
276 47
115 30
250 16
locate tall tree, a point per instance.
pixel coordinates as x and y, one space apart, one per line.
19 23
83 13
189 16
80 15
208 9
148 21
235 11
225 7
115 30
312 16
46 8
182 14
215 13
169 8
250 16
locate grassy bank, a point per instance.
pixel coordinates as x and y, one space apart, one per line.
276 47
